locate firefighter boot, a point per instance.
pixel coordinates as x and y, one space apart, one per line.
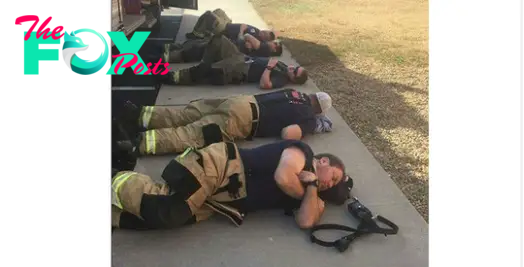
131 116
130 147
182 77
172 55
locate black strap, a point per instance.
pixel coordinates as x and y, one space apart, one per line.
231 151
254 124
343 243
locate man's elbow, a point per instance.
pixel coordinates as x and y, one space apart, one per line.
281 180
266 85
306 223
292 133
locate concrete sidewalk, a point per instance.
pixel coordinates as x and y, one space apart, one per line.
270 238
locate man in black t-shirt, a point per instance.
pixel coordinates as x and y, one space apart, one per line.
291 178
288 114
269 73
235 31
217 22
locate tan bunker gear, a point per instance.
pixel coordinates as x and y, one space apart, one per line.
199 124
198 182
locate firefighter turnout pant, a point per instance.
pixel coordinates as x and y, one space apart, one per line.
199 124
222 63
209 50
215 172
211 23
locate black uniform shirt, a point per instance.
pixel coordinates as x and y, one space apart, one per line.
283 108
257 67
233 29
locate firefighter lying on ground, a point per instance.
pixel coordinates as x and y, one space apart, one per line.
233 182
205 49
237 68
216 22
286 113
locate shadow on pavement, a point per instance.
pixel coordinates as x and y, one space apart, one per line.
370 107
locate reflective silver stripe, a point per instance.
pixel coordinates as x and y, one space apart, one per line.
115 186
146 116
151 142
153 133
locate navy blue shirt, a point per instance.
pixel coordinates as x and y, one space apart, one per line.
233 29
257 68
263 51
283 108
262 189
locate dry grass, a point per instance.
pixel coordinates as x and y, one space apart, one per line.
372 56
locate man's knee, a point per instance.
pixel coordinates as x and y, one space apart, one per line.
168 211
161 211
217 76
212 134
130 221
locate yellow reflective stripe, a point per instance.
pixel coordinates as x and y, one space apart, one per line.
151 142
148 140
117 183
189 149
146 116
153 135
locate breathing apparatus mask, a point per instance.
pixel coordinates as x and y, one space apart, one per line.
368 223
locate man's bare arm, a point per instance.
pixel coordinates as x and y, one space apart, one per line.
291 163
312 206
243 28
292 132
253 42
265 80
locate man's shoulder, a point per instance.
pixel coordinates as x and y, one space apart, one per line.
298 150
249 26
252 29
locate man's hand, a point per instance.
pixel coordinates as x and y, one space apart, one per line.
265 80
306 176
311 209
272 62
251 42
243 28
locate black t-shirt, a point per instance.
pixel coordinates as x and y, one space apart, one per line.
263 51
262 190
258 66
233 29
283 108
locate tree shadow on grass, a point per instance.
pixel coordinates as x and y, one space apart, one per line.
372 107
